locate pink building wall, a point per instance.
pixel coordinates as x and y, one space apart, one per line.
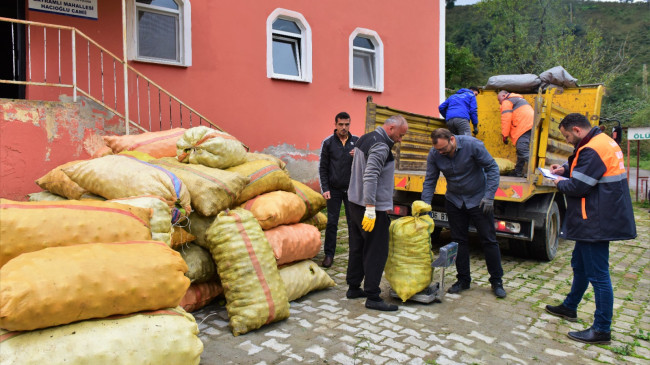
227 80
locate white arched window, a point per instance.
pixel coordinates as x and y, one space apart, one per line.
288 46
159 31
366 60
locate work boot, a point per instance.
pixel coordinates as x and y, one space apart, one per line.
591 336
327 262
498 290
458 287
380 305
354 293
562 312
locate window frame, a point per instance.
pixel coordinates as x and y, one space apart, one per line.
305 51
184 32
378 59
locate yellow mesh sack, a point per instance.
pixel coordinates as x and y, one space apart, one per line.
276 208
57 182
60 285
33 226
303 277
264 176
199 295
44 196
254 156
157 144
200 264
319 221
161 217
408 268
314 202
293 242
255 293
121 176
168 336
210 147
212 190
505 165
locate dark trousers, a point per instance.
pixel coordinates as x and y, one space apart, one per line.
523 150
368 252
459 219
590 263
333 211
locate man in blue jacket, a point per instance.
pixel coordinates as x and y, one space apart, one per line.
472 180
599 210
458 109
334 169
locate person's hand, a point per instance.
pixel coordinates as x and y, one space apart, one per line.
505 140
475 129
556 181
487 205
327 195
369 217
352 153
557 169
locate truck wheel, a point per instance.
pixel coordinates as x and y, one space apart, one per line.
545 241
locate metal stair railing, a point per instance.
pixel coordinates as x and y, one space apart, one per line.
105 79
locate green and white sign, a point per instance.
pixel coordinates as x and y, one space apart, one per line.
638 133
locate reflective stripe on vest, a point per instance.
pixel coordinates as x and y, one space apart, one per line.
611 155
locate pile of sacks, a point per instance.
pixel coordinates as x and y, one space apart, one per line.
165 219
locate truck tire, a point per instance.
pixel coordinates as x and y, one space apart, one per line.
545 241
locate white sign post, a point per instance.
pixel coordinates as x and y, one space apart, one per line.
79 8
638 134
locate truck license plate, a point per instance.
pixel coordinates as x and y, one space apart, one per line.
440 216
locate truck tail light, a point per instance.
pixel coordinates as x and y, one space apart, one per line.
399 210
509 227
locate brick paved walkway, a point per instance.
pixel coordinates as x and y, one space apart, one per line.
471 328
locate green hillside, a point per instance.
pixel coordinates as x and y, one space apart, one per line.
596 42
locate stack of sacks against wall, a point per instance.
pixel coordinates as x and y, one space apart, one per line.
168 336
122 176
61 285
32 226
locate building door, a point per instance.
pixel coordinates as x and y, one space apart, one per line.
12 53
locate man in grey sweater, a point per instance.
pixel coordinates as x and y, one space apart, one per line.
371 196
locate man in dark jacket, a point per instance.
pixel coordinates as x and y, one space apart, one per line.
458 109
599 210
472 180
334 170
371 197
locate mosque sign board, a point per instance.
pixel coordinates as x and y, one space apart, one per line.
78 8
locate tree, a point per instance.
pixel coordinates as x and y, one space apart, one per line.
460 66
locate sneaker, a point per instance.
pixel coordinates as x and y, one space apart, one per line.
562 312
380 305
354 293
458 287
499 292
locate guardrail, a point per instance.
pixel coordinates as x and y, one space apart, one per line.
91 70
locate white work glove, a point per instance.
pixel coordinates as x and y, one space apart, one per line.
369 217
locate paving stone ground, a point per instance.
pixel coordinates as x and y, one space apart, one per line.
471 328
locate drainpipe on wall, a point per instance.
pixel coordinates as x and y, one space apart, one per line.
126 77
